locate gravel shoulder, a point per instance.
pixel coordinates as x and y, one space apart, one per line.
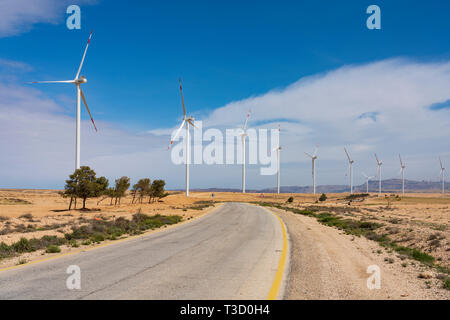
328 264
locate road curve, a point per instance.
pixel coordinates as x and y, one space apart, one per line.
231 253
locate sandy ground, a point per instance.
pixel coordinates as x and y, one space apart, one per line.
327 264
49 216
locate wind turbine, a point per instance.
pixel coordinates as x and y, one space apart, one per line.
350 162
78 81
188 121
402 170
313 158
442 176
379 163
367 181
243 136
278 150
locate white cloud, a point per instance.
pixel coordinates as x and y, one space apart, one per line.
37 137
19 16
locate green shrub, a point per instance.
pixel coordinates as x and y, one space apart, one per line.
21 246
290 200
447 283
53 249
323 197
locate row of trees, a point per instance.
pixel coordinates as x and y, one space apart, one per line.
83 184
143 188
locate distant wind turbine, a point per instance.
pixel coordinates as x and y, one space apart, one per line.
367 181
402 170
244 158
442 176
78 81
313 158
379 164
350 162
186 121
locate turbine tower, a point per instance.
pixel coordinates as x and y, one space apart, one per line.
350 162
186 121
367 181
402 170
78 81
313 159
244 158
379 163
278 150
442 176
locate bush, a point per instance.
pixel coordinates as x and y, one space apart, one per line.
323 197
21 246
290 200
53 249
447 283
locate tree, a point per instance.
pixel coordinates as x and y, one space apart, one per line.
84 184
323 197
69 191
134 191
111 192
157 190
122 185
143 188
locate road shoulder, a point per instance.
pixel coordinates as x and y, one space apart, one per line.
328 264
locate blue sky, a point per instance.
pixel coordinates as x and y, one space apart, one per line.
225 52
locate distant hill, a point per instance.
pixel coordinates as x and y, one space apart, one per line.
388 185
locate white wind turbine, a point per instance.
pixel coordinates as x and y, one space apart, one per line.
442 176
313 158
188 121
78 81
350 162
244 158
379 163
367 181
278 150
402 170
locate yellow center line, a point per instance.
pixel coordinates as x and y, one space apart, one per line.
273 293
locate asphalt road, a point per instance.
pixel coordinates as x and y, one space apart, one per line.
231 253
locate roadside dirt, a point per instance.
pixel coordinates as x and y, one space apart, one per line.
328 264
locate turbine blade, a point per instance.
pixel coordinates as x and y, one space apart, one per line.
87 108
177 133
401 163
309 155
63 81
182 99
246 121
84 55
316 150
192 123
376 157
440 161
349 160
365 175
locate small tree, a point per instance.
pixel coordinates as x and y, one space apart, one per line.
84 184
157 190
323 197
134 191
111 192
122 185
143 188
69 192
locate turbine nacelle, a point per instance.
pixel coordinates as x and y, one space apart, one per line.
81 80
